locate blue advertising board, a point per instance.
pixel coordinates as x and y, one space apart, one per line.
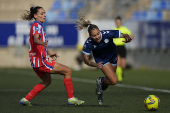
17 33
154 35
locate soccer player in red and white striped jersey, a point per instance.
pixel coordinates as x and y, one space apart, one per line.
39 58
38 53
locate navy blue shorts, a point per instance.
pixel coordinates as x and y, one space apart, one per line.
112 62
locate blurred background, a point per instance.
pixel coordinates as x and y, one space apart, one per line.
148 20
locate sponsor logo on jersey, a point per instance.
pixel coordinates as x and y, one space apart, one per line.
37 29
32 54
106 40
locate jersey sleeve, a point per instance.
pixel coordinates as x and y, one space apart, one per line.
36 29
112 33
87 48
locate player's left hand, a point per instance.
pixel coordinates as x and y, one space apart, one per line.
54 56
127 38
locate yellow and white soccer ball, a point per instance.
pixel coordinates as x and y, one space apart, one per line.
152 102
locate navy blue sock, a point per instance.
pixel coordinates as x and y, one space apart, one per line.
104 85
102 80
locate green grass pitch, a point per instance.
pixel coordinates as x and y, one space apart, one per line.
16 83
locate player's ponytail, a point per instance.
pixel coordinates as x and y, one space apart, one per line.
29 15
82 24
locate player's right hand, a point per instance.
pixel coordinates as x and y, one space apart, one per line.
127 38
45 43
100 65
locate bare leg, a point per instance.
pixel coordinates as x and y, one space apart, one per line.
123 63
121 66
46 79
64 70
109 72
61 69
104 82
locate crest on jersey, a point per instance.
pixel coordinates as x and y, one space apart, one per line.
106 40
37 29
95 46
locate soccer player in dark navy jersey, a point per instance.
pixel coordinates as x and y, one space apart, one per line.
104 52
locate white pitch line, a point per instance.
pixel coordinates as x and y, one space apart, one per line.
59 77
117 85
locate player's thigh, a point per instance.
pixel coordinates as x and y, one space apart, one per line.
109 73
114 68
60 69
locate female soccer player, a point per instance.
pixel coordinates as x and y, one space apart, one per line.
104 52
120 46
39 59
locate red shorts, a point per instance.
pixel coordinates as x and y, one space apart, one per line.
40 71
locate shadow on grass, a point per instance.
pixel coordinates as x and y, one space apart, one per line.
148 111
74 105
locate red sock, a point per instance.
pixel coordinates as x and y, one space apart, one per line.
36 90
69 87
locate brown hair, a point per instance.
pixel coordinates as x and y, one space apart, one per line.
118 18
29 15
82 24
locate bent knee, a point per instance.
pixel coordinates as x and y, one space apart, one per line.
46 83
69 71
114 82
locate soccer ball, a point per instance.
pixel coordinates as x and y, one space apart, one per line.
152 102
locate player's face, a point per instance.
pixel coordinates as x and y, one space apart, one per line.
118 23
41 15
95 35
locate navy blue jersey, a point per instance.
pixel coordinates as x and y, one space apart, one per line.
104 51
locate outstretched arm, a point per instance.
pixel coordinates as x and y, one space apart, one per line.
52 55
90 63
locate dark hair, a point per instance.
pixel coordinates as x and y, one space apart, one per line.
85 24
29 15
118 18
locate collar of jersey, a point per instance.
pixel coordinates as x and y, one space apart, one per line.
119 27
37 22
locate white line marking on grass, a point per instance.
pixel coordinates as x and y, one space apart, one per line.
142 88
117 85
59 77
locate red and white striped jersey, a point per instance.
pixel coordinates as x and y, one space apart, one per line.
38 53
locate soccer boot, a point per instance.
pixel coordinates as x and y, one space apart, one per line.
25 103
75 101
100 100
98 86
